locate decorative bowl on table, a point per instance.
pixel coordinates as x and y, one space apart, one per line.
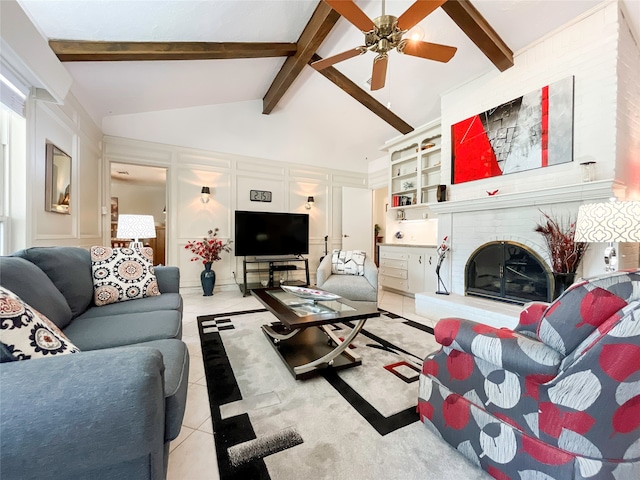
310 293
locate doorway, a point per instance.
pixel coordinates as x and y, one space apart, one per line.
380 206
140 190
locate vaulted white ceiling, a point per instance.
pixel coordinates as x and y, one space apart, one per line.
331 122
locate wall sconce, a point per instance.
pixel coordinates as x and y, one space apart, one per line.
307 205
205 193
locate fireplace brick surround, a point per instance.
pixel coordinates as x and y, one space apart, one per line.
511 217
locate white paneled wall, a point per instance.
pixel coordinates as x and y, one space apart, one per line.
70 128
230 178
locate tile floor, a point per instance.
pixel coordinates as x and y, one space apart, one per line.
193 454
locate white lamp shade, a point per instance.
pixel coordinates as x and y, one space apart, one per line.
136 226
608 222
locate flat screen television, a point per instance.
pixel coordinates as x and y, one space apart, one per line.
264 234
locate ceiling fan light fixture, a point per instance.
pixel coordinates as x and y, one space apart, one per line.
416 33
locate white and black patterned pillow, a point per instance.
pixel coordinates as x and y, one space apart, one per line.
121 274
25 333
347 262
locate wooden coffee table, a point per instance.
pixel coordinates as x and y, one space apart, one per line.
303 336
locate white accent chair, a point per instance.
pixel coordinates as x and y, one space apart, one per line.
360 288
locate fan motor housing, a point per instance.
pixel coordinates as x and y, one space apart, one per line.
386 34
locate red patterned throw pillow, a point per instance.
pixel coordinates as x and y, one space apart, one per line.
121 274
26 333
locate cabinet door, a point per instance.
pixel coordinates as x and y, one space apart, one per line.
416 271
430 277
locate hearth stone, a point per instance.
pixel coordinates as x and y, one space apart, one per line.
489 312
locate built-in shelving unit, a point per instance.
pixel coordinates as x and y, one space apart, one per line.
415 168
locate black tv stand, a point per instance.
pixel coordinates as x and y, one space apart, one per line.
274 265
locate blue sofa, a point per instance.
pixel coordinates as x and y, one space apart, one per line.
110 411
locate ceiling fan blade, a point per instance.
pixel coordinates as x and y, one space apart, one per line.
327 62
430 51
416 12
352 12
379 73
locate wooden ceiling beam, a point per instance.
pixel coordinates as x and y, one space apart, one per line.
322 21
476 27
364 98
88 51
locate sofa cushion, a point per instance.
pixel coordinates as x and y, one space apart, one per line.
166 301
69 268
94 333
26 333
347 262
35 288
351 287
176 378
121 274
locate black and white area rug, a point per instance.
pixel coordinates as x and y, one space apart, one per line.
360 423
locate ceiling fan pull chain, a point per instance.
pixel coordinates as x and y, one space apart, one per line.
383 9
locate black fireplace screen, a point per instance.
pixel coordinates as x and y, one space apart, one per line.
509 272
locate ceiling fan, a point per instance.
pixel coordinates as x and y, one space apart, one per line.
385 33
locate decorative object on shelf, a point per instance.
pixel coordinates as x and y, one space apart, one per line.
205 194
442 250
588 171
310 201
428 145
486 145
398 174
442 193
407 185
564 251
612 221
400 215
260 196
208 250
136 227
58 180
492 193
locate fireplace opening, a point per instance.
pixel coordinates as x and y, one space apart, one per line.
509 272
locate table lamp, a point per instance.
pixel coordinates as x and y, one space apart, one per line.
609 222
136 227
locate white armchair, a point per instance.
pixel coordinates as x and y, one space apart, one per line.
361 288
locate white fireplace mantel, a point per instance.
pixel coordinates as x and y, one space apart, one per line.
592 191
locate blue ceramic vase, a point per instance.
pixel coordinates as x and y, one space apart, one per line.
208 280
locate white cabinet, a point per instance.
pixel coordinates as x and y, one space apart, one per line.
409 270
415 167
416 271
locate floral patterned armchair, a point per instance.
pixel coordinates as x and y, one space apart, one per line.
556 398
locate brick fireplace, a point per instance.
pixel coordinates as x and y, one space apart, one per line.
511 219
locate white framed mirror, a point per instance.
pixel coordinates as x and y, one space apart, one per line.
58 180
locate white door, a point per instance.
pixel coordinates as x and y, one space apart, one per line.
357 226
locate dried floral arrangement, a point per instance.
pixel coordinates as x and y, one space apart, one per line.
209 248
558 233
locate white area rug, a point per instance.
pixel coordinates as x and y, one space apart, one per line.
358 424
